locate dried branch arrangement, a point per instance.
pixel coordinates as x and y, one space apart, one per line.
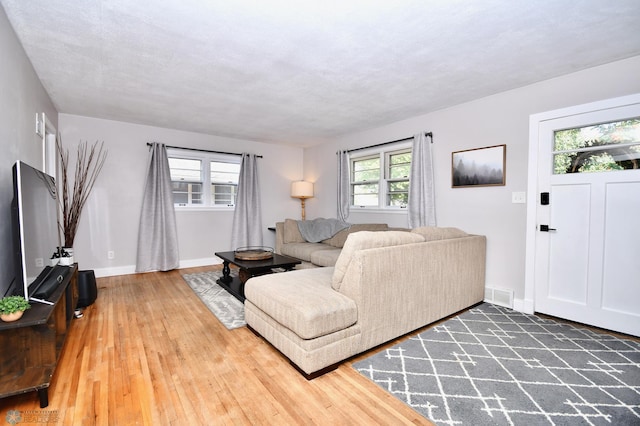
89 162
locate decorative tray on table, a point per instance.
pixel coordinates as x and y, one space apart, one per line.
253 253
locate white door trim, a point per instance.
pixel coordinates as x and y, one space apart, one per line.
49 149
528 304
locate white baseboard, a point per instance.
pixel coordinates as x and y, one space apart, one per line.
117 270
523 305
131 269
193 263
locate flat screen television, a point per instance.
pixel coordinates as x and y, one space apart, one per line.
35 230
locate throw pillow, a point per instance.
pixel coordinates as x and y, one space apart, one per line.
366 240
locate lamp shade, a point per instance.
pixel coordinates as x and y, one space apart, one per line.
301 189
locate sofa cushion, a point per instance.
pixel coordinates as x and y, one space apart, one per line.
433 233
366 240
339 239
291 233
303 301
325 257
303 251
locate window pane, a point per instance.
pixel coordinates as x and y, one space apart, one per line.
365 195
366 164
399 165
365 200
224 172
400 200
603 147
185 169
366 170
398 193
399 171
400 186
187 193
223 194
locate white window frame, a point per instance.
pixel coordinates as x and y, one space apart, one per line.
205 158
383 183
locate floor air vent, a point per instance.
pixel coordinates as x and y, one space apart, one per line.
499 296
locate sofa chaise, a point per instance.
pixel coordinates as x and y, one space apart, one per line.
383 285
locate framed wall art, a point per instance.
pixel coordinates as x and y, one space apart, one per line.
479 167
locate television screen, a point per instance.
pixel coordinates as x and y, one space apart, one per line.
35 226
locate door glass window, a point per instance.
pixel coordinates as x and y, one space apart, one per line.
597 148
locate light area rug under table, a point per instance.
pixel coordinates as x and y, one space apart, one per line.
494 366
228 309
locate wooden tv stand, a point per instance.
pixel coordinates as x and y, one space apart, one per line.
30 347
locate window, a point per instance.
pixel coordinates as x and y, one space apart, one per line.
397 171
186 180
194 171
381 179
598 148
365 181
224 182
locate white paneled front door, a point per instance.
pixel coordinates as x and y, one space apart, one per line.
587 241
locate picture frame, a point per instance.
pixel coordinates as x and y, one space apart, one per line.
484 166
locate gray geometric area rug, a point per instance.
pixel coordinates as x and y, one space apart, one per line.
228 309
495 366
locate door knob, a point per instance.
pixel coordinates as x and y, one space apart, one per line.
545 228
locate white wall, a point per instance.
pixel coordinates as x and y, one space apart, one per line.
498 119
111 218
110 221
22 96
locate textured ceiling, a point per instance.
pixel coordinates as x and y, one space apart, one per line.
302 71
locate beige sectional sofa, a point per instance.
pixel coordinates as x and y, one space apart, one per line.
383 285
290 242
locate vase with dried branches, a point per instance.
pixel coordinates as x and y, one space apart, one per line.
89 162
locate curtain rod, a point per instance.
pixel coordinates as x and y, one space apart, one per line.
427 134
202 150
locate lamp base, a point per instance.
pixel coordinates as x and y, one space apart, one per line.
302 202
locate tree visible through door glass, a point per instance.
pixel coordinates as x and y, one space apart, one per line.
597 148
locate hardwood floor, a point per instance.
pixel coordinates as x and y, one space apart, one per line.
149 352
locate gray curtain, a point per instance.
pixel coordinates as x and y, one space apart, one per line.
422 209
343 185
247 218
158 234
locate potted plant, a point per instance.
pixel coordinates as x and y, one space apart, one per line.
12 308
89 162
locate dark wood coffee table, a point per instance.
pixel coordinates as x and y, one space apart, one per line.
248 269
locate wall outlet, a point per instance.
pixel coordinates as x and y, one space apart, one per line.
39 262
110 254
